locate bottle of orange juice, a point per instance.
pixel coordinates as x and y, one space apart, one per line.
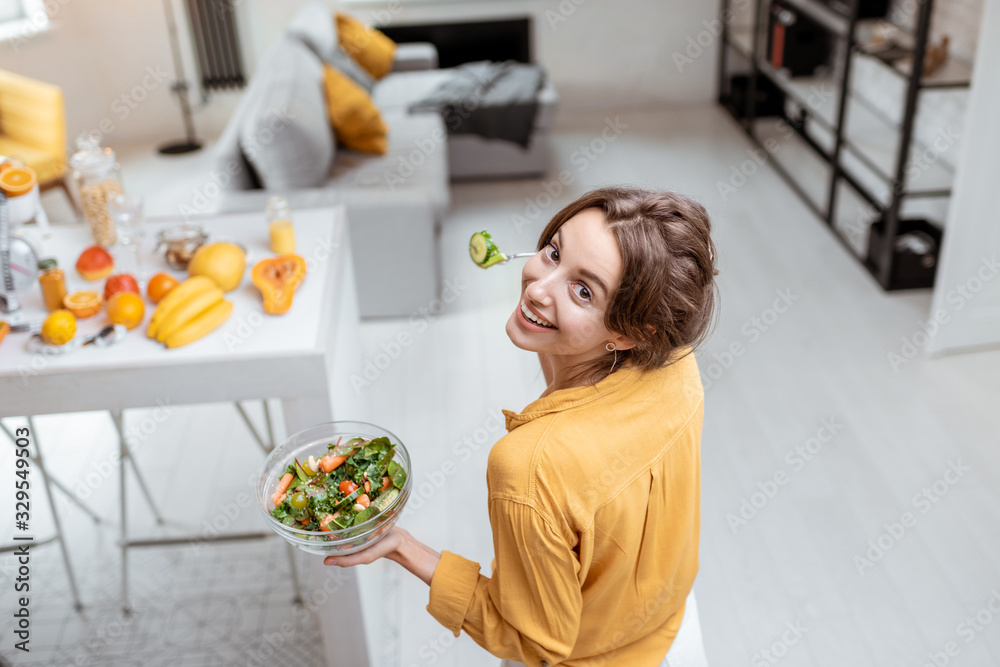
279 220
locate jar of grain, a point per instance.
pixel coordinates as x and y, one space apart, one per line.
96 177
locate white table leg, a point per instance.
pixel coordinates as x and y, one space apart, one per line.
343 634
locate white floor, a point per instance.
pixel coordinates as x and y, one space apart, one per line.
787 586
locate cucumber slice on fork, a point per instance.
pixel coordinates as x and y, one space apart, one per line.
483 251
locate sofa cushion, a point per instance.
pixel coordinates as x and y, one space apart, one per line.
284 132
356 120
369 47
314 26
416 159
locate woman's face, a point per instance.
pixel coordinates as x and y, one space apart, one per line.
566 289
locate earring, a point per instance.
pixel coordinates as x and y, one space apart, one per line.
610 347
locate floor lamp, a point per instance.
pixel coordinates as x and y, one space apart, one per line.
190 143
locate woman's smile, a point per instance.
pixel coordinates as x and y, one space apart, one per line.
533 319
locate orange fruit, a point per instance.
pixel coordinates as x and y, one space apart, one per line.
59 327
17 181
159 285
126 308
83 304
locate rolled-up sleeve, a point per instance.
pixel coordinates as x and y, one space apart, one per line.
529 610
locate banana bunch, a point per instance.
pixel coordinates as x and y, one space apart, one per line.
189 311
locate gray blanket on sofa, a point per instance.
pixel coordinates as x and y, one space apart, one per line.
496 100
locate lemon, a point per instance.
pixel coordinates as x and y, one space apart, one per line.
59 328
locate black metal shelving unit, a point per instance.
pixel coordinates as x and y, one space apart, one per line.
817 109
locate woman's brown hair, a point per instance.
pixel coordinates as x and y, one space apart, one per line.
667 297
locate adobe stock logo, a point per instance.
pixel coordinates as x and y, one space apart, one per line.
924 500
796 458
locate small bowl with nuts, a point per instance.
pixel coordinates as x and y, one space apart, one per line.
179 244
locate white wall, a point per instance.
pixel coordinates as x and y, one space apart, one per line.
598 52
967 288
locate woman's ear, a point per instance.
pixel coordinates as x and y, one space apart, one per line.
625 343
622 342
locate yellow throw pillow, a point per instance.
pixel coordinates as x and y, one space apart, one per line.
355 118
367 46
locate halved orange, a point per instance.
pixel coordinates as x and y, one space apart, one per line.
17 181
83 304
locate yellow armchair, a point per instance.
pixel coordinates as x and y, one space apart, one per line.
33 127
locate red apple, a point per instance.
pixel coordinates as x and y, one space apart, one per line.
121 282
94 263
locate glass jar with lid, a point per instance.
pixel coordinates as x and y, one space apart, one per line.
52 282
279 220
96 177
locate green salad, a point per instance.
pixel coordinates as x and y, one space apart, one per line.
352 483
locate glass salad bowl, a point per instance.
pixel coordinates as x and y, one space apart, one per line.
314 441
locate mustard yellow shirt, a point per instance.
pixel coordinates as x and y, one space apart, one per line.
594 501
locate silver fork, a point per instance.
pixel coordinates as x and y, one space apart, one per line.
518 255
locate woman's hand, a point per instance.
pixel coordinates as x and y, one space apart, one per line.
397 545
384 548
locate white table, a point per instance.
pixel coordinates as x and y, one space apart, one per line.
304 357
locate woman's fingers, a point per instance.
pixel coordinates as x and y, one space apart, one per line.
360 558
380 549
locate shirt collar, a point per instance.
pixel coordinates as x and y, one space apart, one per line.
564 399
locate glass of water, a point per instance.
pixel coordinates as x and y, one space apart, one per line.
126 212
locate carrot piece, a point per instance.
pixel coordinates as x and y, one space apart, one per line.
286 480
368 486
364 500
280 499
386 483
329 463
327 519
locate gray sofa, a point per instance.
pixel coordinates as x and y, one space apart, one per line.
279 141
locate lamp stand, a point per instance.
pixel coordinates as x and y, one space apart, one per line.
190 143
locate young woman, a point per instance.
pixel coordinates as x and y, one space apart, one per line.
594 493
